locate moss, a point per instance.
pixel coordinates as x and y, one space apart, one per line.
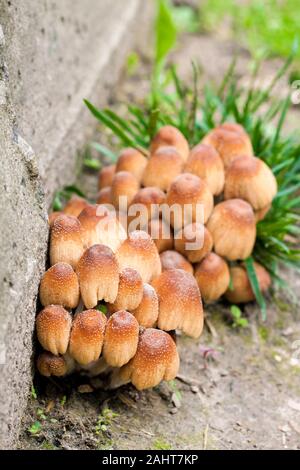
48 446
161 444
263 333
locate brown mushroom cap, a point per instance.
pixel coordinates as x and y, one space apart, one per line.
98 274
237 129
261 213
121 338
205 162
140 253
87 336
104 196
147 311
48 364
59 286
163 166
130 291
53 216
170 136
233 228
149 201
212 276
106 175
252 180
53 326
66 244
188 189
161 234
197 235
156 359
75 205
133 161
241 291
172 260
180 305
125 186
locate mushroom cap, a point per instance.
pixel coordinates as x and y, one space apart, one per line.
148 200
241 291
163 166
156 359
53 327
147 312
140 253
233 228
261 213
53 216
212 276
161 234
205 162
173 260
188 189
104 196
59 286
194 242
170 136
121 338
75 205
133 161
98 274
252 180
87 336
48 364
130 291
124 185
66 244
180 304
237 129
106 175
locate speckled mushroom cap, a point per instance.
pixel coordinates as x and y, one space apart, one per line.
170 136
87 336
75 205
150 199
104 196
237 129
133 161
233 228
140 253
180 304
205 162
59 286
106 175
194 242
156 359
98 274
121 338
124 184
189 189
163 166
161 234
212 276
130 290
53 216
252 180
241 291
66 244
53 327
48 364
147 312
173 260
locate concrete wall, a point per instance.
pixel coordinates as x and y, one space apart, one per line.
52 55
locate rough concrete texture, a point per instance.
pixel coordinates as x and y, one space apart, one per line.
52 55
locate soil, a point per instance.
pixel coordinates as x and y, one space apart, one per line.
238 388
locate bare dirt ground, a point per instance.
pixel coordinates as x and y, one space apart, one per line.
237 389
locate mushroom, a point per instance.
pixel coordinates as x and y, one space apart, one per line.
194 242
180 305
172 260
133 161
241 290
104 196
53 326
145 206
170 136
233 228
130 291
48 364
75 205
106 175
252 180
163 166
121 338
189 200
59 286
123 188
261 213
66 244
53 216
140 253
205 162
98 274
237 129
87 336
147 311
212 276
161 234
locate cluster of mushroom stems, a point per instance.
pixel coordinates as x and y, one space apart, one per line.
151 287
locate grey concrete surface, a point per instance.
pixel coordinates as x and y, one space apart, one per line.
53 54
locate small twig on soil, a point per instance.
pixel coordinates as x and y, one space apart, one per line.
211 328
205 436
189 381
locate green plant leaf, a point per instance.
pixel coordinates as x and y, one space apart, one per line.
165 31
104 151
249 263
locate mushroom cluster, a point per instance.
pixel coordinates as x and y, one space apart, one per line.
150 272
